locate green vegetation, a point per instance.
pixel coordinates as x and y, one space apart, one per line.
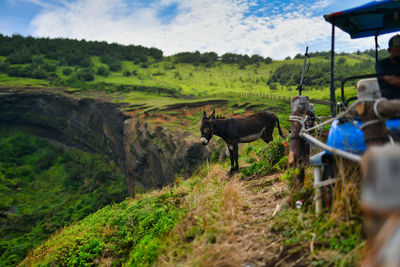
333 242
266 159
115 68
128 232
194 223
131 232
44 188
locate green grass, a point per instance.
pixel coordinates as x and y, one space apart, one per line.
44 188
199 80
129 233
18 81
296 229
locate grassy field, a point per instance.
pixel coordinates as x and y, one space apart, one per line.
197 81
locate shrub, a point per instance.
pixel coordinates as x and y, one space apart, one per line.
270 158
115 65
66 71
103 71
85 74
20 57
127 73
4 67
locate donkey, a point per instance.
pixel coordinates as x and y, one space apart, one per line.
239 130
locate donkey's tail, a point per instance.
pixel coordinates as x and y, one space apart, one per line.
279 127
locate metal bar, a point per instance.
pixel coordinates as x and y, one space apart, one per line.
325 182
318 194
333 101
353 78
333 150
376 47
300 88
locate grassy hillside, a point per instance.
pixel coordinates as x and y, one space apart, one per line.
210 219
98 66
187 79
44 188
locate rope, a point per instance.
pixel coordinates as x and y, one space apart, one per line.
309 138
376 108
368 123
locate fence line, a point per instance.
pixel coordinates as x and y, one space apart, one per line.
265 96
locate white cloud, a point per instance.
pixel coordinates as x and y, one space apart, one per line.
207 25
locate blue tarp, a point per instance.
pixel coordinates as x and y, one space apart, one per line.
373 18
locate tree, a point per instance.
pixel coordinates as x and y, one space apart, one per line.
22 56
4 67
103 71
85 74
66 71
268 60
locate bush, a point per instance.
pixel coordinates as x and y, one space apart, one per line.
103 71
270 159
85 75
115 66
4 67
66 71
127 73
20 57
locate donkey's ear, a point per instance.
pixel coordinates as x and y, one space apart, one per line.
212 114
204 114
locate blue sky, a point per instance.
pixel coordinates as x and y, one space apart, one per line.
273 28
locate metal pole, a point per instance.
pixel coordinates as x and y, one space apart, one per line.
333 150
333 100
318 194
302 72
376 47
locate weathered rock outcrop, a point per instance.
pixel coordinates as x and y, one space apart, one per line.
148 157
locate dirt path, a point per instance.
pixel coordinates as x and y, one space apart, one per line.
248 236
252 237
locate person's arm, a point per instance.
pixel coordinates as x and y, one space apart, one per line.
382 67
392 79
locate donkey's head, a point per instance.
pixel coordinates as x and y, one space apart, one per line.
206 128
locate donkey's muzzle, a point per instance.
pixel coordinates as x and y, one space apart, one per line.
203 140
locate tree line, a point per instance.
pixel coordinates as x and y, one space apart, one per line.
209 58
40 57
318 73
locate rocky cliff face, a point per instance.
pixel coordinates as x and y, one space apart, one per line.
148 157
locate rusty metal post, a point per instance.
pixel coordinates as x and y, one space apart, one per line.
380 202
376 133
299 150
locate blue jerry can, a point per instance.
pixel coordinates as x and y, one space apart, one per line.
347 137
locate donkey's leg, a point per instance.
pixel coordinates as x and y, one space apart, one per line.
231 156
236 155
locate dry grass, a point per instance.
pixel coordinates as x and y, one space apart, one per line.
346 193
200 237
230 221
226 224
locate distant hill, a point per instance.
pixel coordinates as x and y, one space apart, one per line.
112 67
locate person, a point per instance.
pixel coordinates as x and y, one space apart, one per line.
389 69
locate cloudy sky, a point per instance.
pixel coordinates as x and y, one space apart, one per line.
273 28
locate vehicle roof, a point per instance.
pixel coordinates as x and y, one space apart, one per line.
373 18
